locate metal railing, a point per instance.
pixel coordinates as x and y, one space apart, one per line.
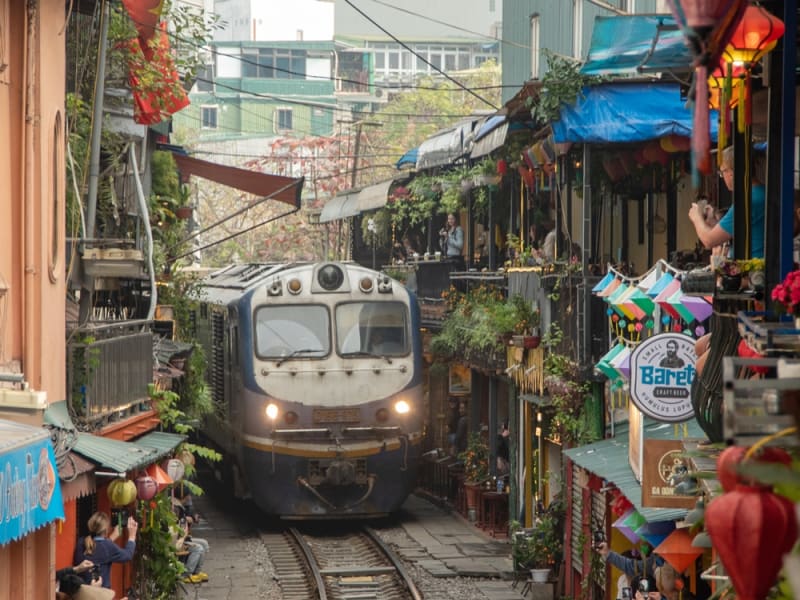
109 367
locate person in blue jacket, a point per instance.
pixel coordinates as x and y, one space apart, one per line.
100 546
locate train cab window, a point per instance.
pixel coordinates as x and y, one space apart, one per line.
372 328
292 331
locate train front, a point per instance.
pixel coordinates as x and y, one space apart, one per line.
333 411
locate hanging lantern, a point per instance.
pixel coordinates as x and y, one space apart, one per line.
756 34
502 167
730 458
146 487
751 528
186 457
121 492
160 476
678 551
174 468
708 25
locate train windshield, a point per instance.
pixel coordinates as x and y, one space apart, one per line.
301 331
372 328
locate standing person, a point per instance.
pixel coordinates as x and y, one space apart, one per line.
503 453
462 429
452 423
100 547
632 565
452 238
548 250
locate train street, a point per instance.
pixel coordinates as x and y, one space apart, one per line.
446 557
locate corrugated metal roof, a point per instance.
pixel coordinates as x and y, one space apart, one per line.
114 454
163 443
57 415
609 460
17 435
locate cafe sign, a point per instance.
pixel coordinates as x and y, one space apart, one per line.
665 476
30 494
662 371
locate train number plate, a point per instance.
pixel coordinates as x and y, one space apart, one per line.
336 415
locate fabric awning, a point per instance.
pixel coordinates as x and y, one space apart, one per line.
31 489
609 459
409 159
445 146
283 189
635 44
356 201
490 136
626 112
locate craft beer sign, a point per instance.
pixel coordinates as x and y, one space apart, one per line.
662 371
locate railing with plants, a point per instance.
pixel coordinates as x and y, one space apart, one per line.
109 368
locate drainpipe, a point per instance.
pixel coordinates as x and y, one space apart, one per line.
29 127
145 213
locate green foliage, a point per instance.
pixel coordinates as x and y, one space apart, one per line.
475 458
156 560
568 393
477 320
85 360
542 546
561 84
381 227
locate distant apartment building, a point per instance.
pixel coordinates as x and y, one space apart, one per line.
563 27
298 71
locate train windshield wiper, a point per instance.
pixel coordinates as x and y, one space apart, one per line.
294 353
365 353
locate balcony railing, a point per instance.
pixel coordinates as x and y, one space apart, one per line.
109 367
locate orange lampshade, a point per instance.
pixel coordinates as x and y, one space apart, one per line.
756 34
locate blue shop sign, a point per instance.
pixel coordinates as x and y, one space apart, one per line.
30 491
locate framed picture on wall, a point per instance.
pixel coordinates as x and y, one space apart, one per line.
459 379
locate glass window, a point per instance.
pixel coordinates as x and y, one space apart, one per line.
380 60
297 331
449 62
436 60
208 115
249 62
372 329
394 60
283 117
463 61
282 67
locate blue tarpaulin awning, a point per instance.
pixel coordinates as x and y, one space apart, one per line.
636 44
626 112
409 159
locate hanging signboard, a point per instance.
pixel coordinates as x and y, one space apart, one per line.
665 477
662 371
30 494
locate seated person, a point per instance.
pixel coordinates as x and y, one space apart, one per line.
193 548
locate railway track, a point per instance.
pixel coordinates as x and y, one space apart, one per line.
352 565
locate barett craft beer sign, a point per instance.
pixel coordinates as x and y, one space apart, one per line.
662 371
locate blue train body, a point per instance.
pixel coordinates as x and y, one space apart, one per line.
315 371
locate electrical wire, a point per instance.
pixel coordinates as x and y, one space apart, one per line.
419 56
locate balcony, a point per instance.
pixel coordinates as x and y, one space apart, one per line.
109 368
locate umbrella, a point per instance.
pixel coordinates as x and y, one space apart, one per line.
655 532
678 551
627 523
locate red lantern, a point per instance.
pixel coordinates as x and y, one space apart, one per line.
755 35
728 462
146 487
751 529
502 167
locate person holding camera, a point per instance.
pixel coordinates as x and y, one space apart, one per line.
194 549
644 588
632 566
100 547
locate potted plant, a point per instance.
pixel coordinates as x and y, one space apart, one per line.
476 470
753 268
538 549
730 273
485 172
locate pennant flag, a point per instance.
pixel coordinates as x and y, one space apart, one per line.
663 298
643 302
627 524
699 308
627 303
659 285
622 362
676 301
601 285
648 282
610 288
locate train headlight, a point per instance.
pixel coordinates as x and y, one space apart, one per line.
401 407
294 286
365 285
272 411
